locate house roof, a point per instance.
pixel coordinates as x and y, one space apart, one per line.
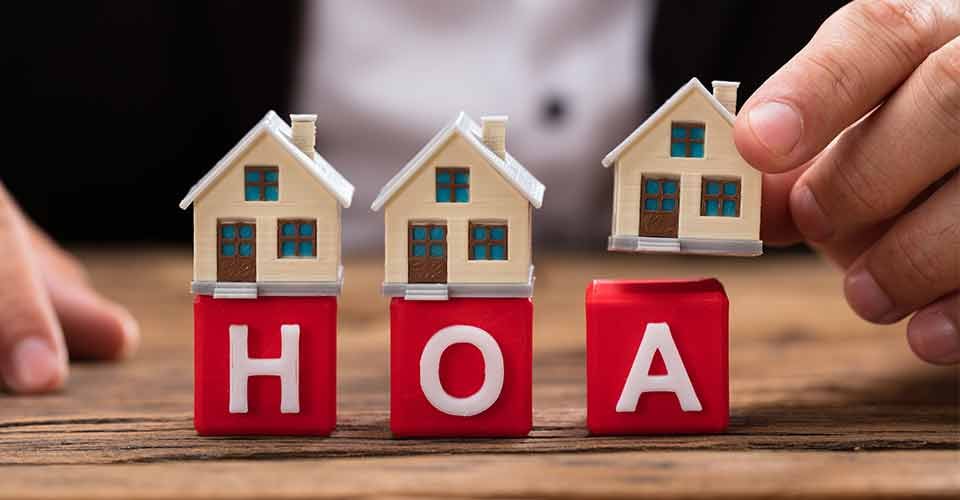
693 85
511 170
273 125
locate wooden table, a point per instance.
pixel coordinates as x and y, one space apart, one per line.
823 404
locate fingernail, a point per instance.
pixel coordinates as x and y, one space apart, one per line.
934 337
777 125
867 298
131 337
808 214
34 367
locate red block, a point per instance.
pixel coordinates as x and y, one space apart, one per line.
445 367
690 315
313 388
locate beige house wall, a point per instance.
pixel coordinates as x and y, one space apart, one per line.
650 155
492 198
301 197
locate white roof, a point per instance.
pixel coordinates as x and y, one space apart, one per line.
692 85
511 170
272 124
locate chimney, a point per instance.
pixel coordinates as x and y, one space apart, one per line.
726 93
304 132
495 134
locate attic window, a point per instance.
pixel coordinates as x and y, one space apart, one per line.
686 139
453 185
261 184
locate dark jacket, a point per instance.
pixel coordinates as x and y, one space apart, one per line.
118 107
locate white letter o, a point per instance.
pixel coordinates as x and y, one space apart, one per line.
488 393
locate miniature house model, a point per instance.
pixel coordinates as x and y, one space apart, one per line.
458 217
679 183
266 218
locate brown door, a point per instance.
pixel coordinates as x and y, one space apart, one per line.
427 253
660 207
236 251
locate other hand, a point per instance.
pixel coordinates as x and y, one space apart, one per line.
48 307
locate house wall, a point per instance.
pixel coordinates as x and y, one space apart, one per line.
301 196
491 198
650 155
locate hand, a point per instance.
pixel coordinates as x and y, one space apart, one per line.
859 134
47 306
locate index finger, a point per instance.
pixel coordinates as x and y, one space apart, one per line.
857 57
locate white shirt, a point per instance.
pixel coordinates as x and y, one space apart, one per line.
571 74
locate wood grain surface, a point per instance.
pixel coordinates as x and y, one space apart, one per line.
823 404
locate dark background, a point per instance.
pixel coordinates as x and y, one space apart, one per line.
117 107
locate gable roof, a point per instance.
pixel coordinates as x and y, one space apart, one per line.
273 125
511 170
691 86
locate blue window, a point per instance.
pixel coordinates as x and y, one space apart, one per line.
236 239
296 238
653 186
720 197
712 208
488 241
428 240
687 139
660 194
453 185
261 184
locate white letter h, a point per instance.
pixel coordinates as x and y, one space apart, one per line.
287 367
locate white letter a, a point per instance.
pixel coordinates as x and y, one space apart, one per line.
657 337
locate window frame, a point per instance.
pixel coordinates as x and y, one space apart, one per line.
297 238
428 240
721 196
688 140
237 239
262 184
488 242
452 185
659 195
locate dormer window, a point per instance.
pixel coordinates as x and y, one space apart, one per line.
686 139
261 184
453 185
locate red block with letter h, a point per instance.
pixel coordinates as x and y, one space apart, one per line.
265 366
461 367
657 360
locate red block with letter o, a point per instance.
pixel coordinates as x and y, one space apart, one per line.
657 360
461 367
265 366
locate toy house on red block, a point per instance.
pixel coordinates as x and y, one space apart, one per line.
657 359
458 263
266 276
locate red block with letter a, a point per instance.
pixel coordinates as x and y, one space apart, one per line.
461 367
657 357
265 366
